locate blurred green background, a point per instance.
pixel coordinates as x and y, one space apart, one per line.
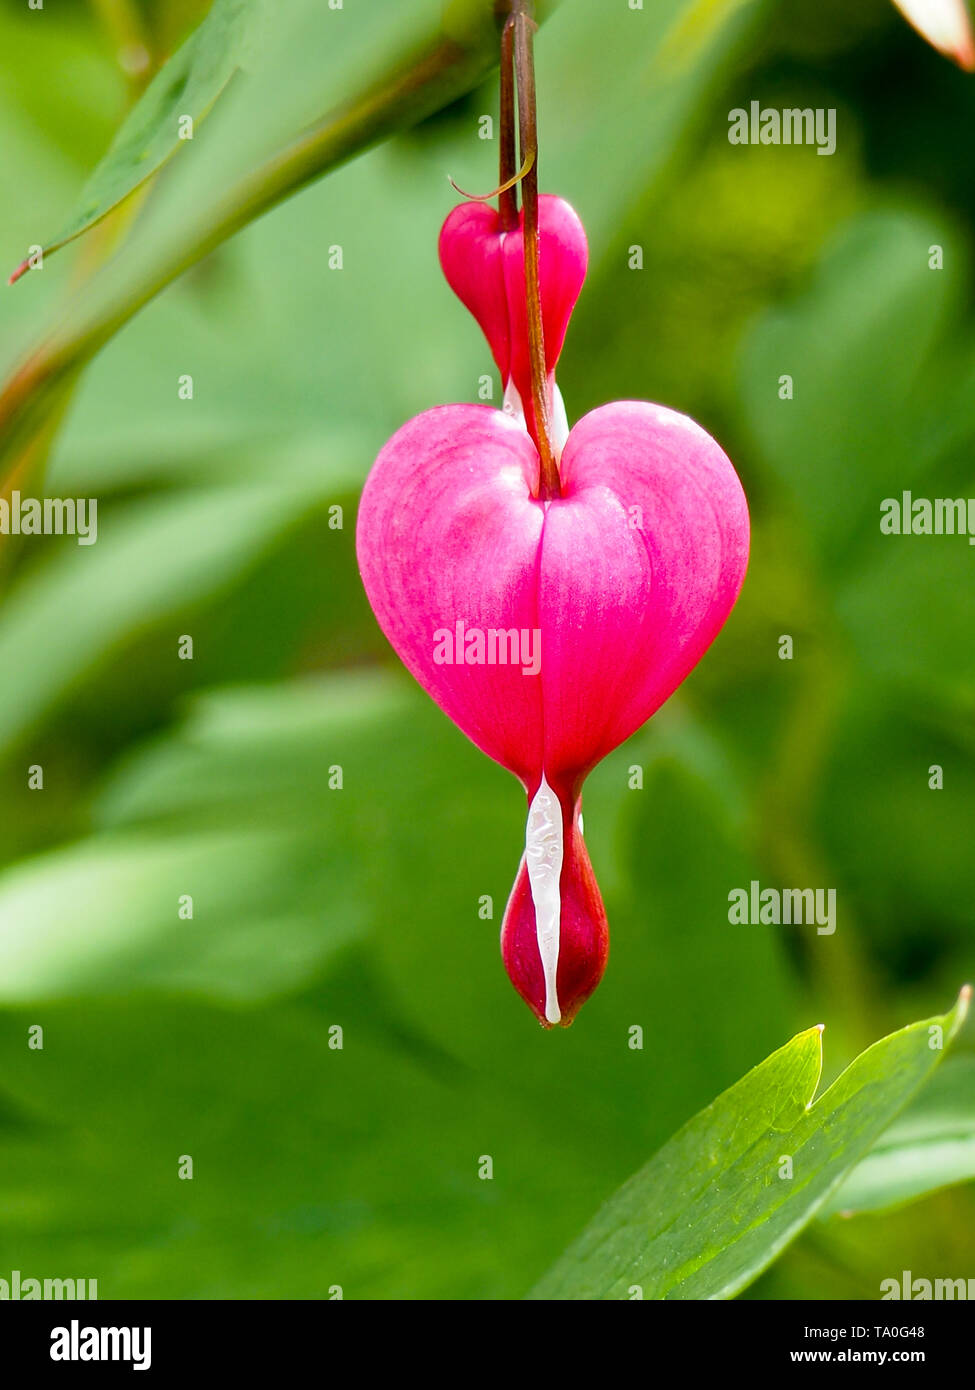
315 907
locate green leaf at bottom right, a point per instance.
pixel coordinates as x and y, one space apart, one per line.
721 1199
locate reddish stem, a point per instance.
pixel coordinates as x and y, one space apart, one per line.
508 199
524 26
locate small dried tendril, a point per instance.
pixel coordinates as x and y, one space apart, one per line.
502 188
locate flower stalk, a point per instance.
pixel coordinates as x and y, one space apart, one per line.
522 24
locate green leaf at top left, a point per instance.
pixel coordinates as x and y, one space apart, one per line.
186 86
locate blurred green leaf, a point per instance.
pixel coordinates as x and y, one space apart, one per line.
111 916
442 1062
302 1153
686 847
868 416
931 1145
712 1209
882 405
268 137
654 71
909 612
418 805
324 92
152 561
260 842
901 849
187 85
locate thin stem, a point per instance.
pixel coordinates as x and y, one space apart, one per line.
507 199
524 26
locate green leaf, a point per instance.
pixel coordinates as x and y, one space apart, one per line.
202 913
325 91
869 421
188 85
857 395
246 775
684 853
329 88
339 1134
902 852
302 1152
267 850
151 561
931 1145
908 609
712 1209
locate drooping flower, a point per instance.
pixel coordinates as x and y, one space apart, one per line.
549 629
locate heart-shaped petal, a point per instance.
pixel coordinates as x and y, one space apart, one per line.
643 557
449 533
621 583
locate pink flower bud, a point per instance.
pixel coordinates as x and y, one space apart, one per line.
485 267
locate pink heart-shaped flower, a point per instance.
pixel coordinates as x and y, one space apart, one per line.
549 631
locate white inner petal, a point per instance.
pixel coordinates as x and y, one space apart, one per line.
938 20
543 855
511 405
559 422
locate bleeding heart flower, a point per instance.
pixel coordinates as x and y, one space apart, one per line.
550 630
549 598
485 267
